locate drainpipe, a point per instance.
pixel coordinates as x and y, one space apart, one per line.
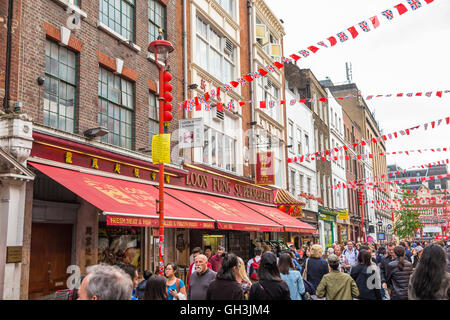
185 62
8 57
252 87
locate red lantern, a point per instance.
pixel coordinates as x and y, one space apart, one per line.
282 208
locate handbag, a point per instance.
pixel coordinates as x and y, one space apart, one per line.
309 287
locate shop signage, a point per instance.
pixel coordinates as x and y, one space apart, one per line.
343 214
161 148
389 226
14 254
430 229
149 222
191 133
225 186
265 168
381 236
380 223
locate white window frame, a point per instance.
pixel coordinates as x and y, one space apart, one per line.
221 74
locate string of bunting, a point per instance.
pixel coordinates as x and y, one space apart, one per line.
385 137
371 155
392 174
424 200
231 105
407 208
396 181
397 190
352 32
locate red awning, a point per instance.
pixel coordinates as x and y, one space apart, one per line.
290 224
126 203
229 214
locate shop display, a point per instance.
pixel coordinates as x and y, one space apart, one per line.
119 245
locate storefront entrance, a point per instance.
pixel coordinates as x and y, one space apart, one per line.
51 247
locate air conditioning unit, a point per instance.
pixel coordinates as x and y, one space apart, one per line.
218 115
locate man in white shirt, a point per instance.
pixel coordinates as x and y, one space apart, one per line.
350 256
257 258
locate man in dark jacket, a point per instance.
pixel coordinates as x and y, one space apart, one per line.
384 263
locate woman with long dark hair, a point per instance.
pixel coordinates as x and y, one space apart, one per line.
430 281
369 287
226 287
270 285
398 273
176 290
292 277
156 288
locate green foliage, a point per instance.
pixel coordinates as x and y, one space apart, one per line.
407 220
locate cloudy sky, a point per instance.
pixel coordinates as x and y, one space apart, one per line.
410 53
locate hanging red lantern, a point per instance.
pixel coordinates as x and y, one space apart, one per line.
282 208
291 209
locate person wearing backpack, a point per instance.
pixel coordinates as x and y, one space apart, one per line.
176 290
253 265
350 255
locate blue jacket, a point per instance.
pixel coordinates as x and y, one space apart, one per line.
294 281
316 268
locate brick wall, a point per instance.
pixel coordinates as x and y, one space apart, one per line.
36 14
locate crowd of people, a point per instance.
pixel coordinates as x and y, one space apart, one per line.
362 271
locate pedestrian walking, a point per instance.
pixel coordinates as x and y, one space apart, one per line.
176 289
156 288
369 287
398 273
200 279
253 265
292 277
216 260
416 255
243 279
196 252
270 285
338 253
207 251
105 282
408 253
140 288
384 265
381 253
133 273
225 286
350 254
315 266
430 281
448 258
336 285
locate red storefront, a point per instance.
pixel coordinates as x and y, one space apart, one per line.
107 201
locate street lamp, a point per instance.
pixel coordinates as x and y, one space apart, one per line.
163 48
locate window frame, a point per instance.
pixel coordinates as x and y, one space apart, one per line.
153 23
105 18
53 77
129 93
226 60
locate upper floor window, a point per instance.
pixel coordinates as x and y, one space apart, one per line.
156 20
60 87
153 117
299 141
291 134
214 53
268 91
228 6
119 16
269 43
116 103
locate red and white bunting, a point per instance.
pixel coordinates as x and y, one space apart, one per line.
339 37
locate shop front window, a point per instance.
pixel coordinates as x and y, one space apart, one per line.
119 244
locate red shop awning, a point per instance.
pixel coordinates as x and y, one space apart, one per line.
126 203
290 224
229 214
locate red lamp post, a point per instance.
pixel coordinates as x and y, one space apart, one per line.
162 48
